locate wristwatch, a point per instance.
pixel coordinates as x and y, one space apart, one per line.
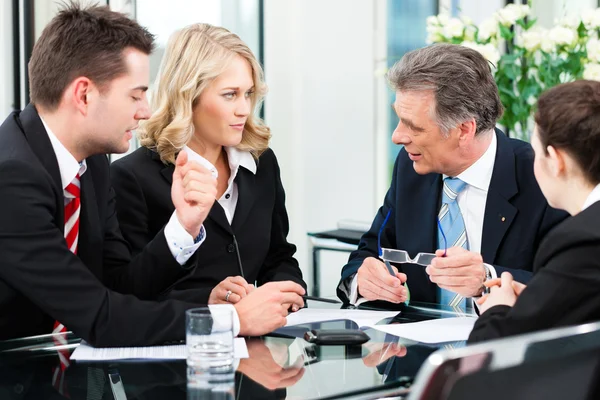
488 276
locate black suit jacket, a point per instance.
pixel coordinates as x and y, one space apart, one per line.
260 223
516 218
95 293
565 289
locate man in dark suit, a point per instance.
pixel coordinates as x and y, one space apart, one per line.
458 184
64 261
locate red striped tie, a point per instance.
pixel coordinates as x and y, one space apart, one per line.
72 195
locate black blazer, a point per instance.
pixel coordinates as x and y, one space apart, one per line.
565 289
95 293
260 223
516 218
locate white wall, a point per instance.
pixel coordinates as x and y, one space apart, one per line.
320 68
6 55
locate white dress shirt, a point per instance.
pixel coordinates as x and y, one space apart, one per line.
180 242
593 197
236 159
471 202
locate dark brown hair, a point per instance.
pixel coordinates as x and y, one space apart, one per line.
460 78
568 118
82 42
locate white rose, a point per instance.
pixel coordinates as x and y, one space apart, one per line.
591 19
488 29
466 20
569 21
432 20
443 19
530 40
563 36
470 33
548 44
434 38
525 10
508 15
488 51
593 49
454 28
592 72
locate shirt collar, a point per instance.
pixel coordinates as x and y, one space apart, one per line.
479 174
68 166
593 197
236 158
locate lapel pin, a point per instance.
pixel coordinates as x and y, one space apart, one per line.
503 219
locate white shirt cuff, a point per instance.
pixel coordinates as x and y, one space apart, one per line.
236 318
353 298
180 242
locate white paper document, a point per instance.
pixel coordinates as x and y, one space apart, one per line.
363 318
85 352
432 331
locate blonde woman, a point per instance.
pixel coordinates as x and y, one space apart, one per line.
204 100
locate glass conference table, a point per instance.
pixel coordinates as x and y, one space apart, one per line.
281 365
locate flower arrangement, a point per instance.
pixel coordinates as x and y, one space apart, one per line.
534 59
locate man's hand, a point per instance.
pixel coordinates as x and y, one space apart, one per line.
236 284
505 294
193 193
265 309
262 367
376 283
460 271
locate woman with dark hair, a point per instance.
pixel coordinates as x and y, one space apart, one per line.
565 289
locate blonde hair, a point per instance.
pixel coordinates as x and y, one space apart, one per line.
194 57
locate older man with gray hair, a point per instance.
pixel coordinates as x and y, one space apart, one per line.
462 192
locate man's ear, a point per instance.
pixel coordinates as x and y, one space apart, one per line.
466 131
80 92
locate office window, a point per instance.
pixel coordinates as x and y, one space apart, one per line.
406 26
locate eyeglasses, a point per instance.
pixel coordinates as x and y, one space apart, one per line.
402 256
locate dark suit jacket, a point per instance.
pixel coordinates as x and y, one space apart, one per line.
516 218
260 223
95 293
565 289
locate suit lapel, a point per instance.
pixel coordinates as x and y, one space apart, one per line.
246 182
40 144
89 234
216 213
417 229
499 212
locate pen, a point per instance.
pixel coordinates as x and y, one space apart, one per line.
333 301
387 263
389 267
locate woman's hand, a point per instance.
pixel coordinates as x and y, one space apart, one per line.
230 290
503 291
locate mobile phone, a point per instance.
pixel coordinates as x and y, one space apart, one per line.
336 336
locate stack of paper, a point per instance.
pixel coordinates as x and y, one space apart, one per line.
363 318
432 331
85 352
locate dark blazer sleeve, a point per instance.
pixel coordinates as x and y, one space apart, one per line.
563 292
280 264
132 208
37 263
367 246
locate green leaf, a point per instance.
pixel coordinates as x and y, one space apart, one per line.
505 32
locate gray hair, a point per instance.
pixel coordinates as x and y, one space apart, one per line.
460 78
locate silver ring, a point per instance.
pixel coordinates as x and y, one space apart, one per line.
227 295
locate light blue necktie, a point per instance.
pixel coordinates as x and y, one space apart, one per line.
453 225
